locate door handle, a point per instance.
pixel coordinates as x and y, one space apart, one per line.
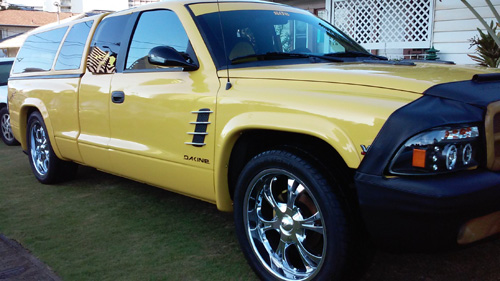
118 97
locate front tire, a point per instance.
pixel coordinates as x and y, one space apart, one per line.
290 222
6 131
45 165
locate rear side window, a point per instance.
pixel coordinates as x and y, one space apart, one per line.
39 50
106 45
71 53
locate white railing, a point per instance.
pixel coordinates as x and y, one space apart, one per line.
385 24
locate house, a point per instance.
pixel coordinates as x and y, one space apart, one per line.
16 22
406 29
316 7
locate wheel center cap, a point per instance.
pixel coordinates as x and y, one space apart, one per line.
287 223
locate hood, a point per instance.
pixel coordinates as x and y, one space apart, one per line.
416 78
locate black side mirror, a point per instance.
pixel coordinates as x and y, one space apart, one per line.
168 56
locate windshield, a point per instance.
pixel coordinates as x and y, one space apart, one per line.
268 36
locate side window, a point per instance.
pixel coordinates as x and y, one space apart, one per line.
39 50
157 28
4 72
105 45
71 53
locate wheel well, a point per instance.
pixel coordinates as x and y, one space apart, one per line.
320 153
23 123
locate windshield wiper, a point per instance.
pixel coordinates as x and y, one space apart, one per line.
355 54
278 56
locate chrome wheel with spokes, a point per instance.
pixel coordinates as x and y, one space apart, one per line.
290 222
44 162
39 149
285 225
6 130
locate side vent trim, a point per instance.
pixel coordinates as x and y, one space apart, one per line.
200 128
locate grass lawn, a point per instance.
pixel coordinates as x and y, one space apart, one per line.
102 227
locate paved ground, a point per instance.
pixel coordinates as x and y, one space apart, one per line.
16 263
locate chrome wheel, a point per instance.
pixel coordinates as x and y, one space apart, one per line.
6 129
45 164
284 225
39 148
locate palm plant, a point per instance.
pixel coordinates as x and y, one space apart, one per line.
489 28
488 44
487 49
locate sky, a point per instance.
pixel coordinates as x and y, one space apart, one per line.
78 6
25 2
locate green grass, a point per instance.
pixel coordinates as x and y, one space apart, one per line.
102 227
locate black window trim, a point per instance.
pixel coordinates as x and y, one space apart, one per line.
126 39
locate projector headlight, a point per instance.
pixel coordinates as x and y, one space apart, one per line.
437 151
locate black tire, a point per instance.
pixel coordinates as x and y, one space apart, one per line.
5 129
283 202
45 165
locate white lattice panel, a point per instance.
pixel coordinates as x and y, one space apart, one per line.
381 24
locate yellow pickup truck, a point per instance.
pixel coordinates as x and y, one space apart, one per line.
266 110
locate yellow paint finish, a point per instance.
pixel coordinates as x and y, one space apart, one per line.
414 79
154 120
193 181
15 99
153 123
56 99
94 99
344 116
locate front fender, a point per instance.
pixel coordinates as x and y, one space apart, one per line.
311 125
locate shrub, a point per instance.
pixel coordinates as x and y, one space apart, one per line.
488 52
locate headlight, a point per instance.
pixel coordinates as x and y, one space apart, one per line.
438 151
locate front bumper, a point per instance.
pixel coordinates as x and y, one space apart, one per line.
416 212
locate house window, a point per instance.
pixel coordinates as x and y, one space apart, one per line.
321 13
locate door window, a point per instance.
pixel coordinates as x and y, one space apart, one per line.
106 45
157 28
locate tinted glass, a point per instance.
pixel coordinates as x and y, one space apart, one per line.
106 45
263 32
38 51
155 28
71 53
4 72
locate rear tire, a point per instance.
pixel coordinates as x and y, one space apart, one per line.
45 165
5 129
290 221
